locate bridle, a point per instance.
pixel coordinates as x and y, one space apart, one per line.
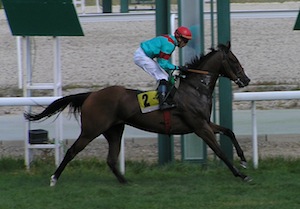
228 68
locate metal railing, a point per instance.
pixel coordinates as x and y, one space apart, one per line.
262 96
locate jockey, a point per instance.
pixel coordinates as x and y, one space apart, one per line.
161 48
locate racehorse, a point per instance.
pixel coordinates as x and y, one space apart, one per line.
108 110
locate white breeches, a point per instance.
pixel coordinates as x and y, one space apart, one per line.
149 65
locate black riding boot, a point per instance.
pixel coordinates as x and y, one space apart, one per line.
164 102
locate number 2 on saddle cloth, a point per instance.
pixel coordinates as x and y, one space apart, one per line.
148 101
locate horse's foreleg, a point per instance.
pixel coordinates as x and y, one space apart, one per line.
227 132
114 137
207 134
78 146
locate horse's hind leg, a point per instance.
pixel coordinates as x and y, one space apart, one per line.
78 146
227 132
207 134
114 137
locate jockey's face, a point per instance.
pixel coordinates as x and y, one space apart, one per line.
182 42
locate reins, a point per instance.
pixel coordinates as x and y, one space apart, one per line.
206 72
225 64
198 71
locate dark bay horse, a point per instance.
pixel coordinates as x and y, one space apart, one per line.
108 110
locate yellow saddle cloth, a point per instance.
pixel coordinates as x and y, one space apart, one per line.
148 101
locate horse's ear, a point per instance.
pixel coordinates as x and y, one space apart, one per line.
228 45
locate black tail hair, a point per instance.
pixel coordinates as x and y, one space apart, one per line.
75 102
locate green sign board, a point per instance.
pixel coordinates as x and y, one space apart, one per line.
191 14
42 18
297 24
193 149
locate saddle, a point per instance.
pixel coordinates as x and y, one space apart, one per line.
148 100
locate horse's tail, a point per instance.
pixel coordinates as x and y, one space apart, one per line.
74 101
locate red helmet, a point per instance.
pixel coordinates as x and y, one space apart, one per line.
183 32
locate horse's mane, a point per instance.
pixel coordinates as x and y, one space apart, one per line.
197 60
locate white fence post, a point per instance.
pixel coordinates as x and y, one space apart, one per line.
254 135
122 156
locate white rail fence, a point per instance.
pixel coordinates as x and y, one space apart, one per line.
262 96
245 96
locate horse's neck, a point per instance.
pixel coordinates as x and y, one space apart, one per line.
208 83
204 84
214 64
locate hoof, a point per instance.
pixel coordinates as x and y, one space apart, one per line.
53 181
247 179
243 164
123 181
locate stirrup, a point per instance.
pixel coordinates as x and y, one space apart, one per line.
165 106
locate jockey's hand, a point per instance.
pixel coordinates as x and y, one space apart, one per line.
183 68
175 73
